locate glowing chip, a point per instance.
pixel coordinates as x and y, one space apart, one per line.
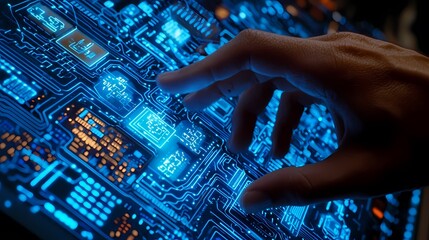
82 47
13 84
176 31
172 165
48 20
149 125
118 92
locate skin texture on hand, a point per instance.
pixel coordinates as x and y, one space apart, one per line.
376 92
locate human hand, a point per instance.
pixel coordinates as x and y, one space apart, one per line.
376 92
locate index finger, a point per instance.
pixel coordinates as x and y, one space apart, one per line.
264 53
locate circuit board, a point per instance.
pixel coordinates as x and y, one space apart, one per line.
91 148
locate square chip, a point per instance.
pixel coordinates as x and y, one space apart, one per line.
82 47
149 125
173 164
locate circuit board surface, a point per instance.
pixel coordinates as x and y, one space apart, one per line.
91 148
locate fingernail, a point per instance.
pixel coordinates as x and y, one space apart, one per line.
255 201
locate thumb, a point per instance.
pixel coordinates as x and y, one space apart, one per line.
349 172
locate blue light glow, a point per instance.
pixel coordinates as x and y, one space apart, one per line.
177 32
172 165
149 125
49 20
294 218
82 47
117 92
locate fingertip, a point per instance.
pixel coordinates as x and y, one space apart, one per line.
231 147
162 77
163 80
255 201
190 104
237 144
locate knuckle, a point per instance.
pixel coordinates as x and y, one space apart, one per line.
344 36
248 38
245 45
341 35
247 33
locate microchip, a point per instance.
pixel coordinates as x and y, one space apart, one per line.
173 164
118 92
48 20
176 32
149 125
12 83
83 47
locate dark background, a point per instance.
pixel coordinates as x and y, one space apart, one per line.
382 12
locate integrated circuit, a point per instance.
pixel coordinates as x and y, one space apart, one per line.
49 20
150 126
12 84
82 47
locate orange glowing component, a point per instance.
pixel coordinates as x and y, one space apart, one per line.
377 212
5 135
329 4
221 12
10 138
292 10
11 151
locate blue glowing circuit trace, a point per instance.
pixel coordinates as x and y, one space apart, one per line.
149 125
294 217
334 229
